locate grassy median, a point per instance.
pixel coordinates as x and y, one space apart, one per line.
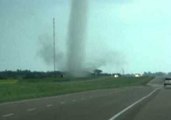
13 89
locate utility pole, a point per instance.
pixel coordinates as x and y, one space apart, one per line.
54 46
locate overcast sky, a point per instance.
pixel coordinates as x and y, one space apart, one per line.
134 35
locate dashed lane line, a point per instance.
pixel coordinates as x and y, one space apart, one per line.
31 109
49 105
8 115
62 102
73 100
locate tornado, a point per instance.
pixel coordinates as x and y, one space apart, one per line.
77 37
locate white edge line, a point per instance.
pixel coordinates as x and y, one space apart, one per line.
130 106
8 115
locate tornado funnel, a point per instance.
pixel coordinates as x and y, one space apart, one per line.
77 37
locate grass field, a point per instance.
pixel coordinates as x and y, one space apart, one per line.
11 90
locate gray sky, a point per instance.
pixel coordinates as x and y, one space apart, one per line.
134 35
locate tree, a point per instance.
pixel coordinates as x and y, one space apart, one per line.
97 72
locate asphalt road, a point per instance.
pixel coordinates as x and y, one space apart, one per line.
157 108
152 102
92 105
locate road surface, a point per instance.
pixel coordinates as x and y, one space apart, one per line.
93 105
158 108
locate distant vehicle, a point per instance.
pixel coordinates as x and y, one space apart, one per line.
116 75
167 81
137 75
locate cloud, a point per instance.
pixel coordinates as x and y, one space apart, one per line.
114 1
145 11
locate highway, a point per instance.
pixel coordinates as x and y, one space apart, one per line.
95 105
157 108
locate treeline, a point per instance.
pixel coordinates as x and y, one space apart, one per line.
26 74
156 74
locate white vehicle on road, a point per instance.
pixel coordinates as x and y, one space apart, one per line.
167 81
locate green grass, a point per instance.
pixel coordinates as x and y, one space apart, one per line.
11 90
10 81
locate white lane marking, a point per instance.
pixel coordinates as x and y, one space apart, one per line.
8 115
49 105
62 102
31 109
130 106
73 100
